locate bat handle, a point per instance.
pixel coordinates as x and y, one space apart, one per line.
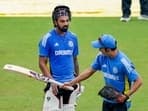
70 88
60 84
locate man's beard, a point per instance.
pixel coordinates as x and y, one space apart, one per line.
63 29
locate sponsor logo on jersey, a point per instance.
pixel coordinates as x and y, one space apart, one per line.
110 76
63 52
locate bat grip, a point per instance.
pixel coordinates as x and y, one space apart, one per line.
60 84
70 88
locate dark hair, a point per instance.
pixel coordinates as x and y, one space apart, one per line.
112 49
61 10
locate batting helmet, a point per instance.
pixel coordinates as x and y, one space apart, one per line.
61 10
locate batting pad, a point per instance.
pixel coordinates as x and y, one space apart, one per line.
68 107
50 102
73 95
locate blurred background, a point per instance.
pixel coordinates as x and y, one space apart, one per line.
78 7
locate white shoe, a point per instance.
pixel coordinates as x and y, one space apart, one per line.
125 19
143 17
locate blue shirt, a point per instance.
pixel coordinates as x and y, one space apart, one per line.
118 72
60 50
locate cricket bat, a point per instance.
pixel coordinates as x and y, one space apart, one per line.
32 74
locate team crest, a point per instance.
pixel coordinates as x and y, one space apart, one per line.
115 70
70 43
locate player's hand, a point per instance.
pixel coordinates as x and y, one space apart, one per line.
122 98
54 88
65 85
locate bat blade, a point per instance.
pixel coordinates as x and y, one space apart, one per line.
17 69
33 74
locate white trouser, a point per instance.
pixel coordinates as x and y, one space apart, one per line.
52 103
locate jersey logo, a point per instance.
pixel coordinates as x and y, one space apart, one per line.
115 70
104 65
70 43
63 52
56 44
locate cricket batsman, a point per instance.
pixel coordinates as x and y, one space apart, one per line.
59 47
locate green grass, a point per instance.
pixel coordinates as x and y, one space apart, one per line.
19 45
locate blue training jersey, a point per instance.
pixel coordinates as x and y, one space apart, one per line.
118 72
60 50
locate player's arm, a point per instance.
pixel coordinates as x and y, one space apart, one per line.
133 76
135 86
76 66
43 66
83 76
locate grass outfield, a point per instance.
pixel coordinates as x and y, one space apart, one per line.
18 45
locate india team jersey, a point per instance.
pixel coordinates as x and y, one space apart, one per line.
60 50
118 72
